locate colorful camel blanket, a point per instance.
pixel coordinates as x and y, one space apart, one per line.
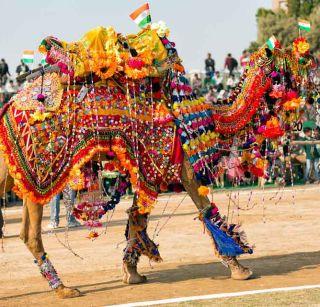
46 143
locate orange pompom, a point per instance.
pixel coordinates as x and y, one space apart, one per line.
203 190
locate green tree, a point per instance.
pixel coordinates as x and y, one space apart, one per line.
314 35
284 28
301 8
294 8
285 25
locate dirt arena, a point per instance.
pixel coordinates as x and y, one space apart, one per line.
283 225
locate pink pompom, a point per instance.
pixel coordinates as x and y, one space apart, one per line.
135 63
261 129
41 97
165 41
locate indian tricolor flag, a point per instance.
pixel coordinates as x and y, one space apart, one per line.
142 16
304 25
28 56
271 42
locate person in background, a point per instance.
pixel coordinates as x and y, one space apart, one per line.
244 59
207 82
11 89
231 82
230 63
2 97
209 65
312 156
196 83
4 72
69 196
317 137
211 95
296 155
310 112
222 94
22 68
219 81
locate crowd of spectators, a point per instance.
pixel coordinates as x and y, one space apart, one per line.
216 84
8 85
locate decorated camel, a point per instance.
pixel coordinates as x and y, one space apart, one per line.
126 99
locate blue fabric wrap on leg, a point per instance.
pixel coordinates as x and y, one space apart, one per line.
226 246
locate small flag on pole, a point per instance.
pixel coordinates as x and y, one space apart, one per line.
141 16
304 25
271 42
28 56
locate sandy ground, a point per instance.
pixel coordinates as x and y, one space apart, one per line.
292 298
283 225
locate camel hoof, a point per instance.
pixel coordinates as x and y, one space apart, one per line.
65 292
136 279
131 275
133 279
241 274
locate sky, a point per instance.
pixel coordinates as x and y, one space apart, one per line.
197 26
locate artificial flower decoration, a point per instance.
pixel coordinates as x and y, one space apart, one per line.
93 235
38 116
257 171
272 128
161 28
77 183
300 46
203 190
278 90
292 104
136 63
103 66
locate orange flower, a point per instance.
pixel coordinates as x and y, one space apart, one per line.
203 190
292 104
301 46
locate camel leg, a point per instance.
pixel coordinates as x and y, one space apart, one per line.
138 243
6 185
31 235
191 185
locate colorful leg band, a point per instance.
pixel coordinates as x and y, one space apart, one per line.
48 272
138 240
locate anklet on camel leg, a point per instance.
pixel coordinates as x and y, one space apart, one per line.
48 272
228 241
139 242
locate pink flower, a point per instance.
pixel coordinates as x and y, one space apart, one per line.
110 154
136 63
50 60
173 85
63 67
214 211
274 74
261 129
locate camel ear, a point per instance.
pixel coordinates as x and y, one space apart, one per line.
268 52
